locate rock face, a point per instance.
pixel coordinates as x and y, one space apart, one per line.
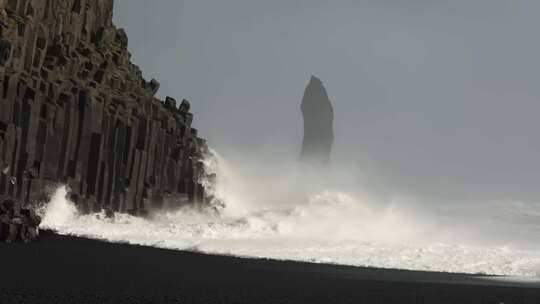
75 110
318 116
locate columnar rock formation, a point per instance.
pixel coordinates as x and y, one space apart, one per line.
318 124
75 110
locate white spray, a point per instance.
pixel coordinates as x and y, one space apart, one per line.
283 211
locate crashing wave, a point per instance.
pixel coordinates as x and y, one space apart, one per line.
308 222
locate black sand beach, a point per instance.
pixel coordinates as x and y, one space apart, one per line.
62 269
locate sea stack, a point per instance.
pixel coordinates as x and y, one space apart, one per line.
74 110
318 115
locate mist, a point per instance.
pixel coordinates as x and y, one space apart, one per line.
432 98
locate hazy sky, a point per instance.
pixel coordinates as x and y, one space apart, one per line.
430 96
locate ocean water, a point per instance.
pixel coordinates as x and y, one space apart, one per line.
289 212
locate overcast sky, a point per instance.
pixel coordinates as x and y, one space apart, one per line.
430 96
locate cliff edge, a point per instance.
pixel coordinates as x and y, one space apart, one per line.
75 110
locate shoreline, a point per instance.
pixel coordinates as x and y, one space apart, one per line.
509 279
68 269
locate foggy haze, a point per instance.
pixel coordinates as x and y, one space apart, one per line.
436 98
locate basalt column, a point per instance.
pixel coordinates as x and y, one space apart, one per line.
74 110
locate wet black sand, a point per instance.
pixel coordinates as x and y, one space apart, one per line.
60 269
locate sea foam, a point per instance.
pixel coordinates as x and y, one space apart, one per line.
284 213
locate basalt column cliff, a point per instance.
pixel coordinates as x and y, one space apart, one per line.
75 110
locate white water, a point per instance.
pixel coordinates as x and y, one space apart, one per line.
281 211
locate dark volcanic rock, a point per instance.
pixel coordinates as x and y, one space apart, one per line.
318 124
75 110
